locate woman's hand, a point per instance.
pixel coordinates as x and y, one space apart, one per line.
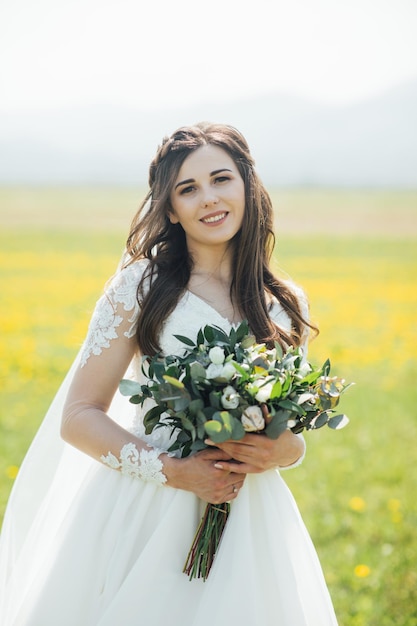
200 474
257 453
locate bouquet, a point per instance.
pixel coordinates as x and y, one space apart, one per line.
222 387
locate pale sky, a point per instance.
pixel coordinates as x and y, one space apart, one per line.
161 53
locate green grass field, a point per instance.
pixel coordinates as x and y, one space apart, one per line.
355 252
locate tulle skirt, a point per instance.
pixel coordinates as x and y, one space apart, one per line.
117 555
83 545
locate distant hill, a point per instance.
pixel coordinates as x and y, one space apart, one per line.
295 142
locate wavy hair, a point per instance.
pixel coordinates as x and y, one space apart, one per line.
154 237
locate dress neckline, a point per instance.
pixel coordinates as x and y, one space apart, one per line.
211 307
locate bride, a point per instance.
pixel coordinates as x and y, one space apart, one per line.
96 532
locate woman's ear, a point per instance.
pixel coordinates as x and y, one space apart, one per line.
172 217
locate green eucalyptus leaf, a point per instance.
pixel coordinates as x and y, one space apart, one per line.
136 399
277 425
158 371
187 424
213 429
320 420
248 342
214 398
129 387
209 411
197 371
201 433
290 405
166 392
196 406
227 420
238 432
198 445
338 421
182 403
279 351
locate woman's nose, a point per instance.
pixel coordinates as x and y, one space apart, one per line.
209 198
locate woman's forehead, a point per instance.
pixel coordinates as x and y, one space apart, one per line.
205 160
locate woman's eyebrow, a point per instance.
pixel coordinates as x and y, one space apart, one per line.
191 180
223 169
184 182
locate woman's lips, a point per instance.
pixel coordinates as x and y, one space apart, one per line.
214 218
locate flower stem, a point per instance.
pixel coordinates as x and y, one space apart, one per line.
206 541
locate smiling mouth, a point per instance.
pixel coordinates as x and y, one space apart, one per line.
212 219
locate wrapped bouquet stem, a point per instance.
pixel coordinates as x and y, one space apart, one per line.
222 387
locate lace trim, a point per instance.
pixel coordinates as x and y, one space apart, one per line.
145 464
105 321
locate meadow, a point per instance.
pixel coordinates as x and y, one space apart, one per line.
355 253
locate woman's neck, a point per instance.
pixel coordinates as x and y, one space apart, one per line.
212 265
211 279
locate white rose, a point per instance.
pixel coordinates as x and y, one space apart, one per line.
252 419
228 371
264 393
230 398
216 355
214 371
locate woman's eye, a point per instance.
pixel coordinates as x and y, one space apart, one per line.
221 179
186 190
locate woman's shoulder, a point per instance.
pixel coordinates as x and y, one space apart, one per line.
117 310
122 286
130 269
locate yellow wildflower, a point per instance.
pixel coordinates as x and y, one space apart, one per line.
12 471
357 504
362 571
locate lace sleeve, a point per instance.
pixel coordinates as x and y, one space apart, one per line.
108 319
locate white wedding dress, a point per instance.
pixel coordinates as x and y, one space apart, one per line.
84 545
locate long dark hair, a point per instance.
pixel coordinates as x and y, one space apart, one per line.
154 237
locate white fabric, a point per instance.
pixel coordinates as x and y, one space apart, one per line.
84 545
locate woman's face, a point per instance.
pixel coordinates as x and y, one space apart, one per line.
208 198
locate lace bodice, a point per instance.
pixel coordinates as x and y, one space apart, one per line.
116 315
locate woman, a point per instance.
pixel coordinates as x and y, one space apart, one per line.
105 534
